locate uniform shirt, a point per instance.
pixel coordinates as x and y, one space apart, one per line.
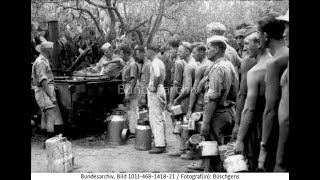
131 70
221 84
41 71
145 76
178 72
231 55
157 69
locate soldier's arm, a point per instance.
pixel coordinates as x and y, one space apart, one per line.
42 79
186 88
212 96
250 105
194 93
134 71
273 93
203 80
247 64
177 82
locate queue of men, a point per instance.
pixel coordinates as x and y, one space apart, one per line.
240 94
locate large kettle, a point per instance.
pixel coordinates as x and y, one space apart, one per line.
118 132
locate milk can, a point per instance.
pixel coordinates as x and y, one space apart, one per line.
118 131
143 135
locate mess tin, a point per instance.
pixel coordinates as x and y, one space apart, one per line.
209 148
176 110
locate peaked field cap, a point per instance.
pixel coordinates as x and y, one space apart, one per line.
216 26
284 17
153 46
187 45
106 46
216 38
44 45
249 30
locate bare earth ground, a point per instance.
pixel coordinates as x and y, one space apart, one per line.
93 155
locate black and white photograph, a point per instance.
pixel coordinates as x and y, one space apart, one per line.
160 89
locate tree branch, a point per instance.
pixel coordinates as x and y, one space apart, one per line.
141 24
91 15
171 33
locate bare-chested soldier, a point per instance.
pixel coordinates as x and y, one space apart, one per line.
196 102
249 136
184 53
282 159
246 64
271 31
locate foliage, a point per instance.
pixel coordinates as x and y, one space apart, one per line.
151 20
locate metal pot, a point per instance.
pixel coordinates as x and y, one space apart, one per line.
209 148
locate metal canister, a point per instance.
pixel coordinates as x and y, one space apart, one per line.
116 126
143 135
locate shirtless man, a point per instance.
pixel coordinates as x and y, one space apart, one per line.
145 75
249 136
177 81
271 33
184 53
156 99
246 64
240 35
196 103
282 159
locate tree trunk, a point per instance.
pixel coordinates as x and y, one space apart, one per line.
112 33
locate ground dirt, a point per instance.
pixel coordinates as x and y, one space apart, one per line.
94 155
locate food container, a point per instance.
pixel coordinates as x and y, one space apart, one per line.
59 155
196 139
235 163
196 116
176 110
191 125
177 127
209 148
184 131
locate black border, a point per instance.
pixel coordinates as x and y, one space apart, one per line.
16 85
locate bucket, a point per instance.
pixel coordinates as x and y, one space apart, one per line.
209 148
235 163
196 139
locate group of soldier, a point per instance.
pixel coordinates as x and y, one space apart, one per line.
239 93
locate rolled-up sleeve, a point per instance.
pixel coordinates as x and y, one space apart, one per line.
215 86
41 72
178 74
